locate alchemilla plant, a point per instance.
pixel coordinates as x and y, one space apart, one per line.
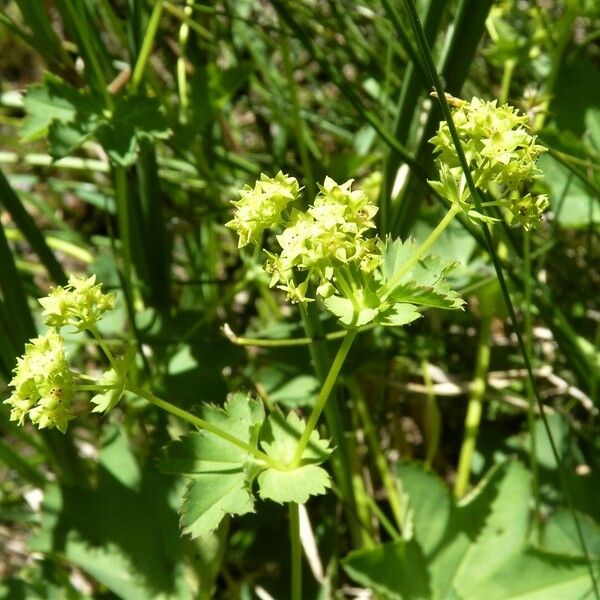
322 250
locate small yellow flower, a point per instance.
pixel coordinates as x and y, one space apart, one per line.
260 207
43 384
81 303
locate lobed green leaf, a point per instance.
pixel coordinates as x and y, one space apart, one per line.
221 473
308 479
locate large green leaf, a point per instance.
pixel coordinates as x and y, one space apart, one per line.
423 284
132 118
570 198
503 534
560 534
67 116
203 452
308 479
396 294
65 137
477 548
444 529
220 472
70 117
532 575
296 485
577 93
55 100
211 496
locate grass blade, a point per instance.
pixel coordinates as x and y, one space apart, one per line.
469 25
27 226
20 321
346 89
413 85
45 41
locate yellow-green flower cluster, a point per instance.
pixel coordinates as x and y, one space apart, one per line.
326 253
81 303
260 207
314 244
43 384
317 244
499 150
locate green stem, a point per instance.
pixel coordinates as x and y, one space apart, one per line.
509 67
188 19
121 200
423 249
91 57
381 462
340 461
432 419
324 394
363 515
95 388
184 32
528 326
272 343
382 518
296 552
111 358
126 274
202 424
146 48
473 417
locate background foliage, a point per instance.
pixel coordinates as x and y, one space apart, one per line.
126 128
